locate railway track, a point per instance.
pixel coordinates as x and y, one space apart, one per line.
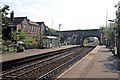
52 75
28 60
36 68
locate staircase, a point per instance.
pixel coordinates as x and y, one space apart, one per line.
73 40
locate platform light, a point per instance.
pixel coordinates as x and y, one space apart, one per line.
59 34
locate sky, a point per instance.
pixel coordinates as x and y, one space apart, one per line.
72 14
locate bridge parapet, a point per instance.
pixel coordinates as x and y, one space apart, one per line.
81 35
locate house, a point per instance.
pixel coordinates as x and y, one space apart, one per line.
44 29
37 30
47 41
21 23
31 28
34 29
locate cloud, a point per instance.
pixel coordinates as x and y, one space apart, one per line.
17 2
72 14
11 2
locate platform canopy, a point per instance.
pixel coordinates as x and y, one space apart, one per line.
49 37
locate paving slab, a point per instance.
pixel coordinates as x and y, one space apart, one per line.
27 53
98 64
104 65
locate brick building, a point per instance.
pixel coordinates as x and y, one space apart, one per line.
31 28
36 30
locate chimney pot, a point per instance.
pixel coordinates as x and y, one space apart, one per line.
12 16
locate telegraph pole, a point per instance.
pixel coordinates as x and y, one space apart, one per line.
106 17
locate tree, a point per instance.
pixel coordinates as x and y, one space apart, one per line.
53 32
4 12
118 18
5 22
14 37
109 34
109 31
118 27
23 35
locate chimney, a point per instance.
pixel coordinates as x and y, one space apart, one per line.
12 16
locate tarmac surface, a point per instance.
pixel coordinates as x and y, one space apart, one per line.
31 52
99 64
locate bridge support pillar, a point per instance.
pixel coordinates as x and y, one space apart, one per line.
81 41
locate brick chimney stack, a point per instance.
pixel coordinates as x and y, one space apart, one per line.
12 16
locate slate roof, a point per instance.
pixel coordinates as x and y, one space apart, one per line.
33 23
40 23
18 20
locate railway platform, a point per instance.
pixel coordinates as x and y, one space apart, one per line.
99 64
31 52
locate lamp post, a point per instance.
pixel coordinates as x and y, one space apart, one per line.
40 38
59 34
17 34
115 48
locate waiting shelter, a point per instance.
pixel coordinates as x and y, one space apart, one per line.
50 41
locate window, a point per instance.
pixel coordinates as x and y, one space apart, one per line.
32 29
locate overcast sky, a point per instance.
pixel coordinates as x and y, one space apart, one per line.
72 14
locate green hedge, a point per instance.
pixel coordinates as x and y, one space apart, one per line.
11 48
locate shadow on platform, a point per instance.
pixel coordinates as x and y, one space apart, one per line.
112 63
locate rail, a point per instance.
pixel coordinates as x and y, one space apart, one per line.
34 64
50 74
